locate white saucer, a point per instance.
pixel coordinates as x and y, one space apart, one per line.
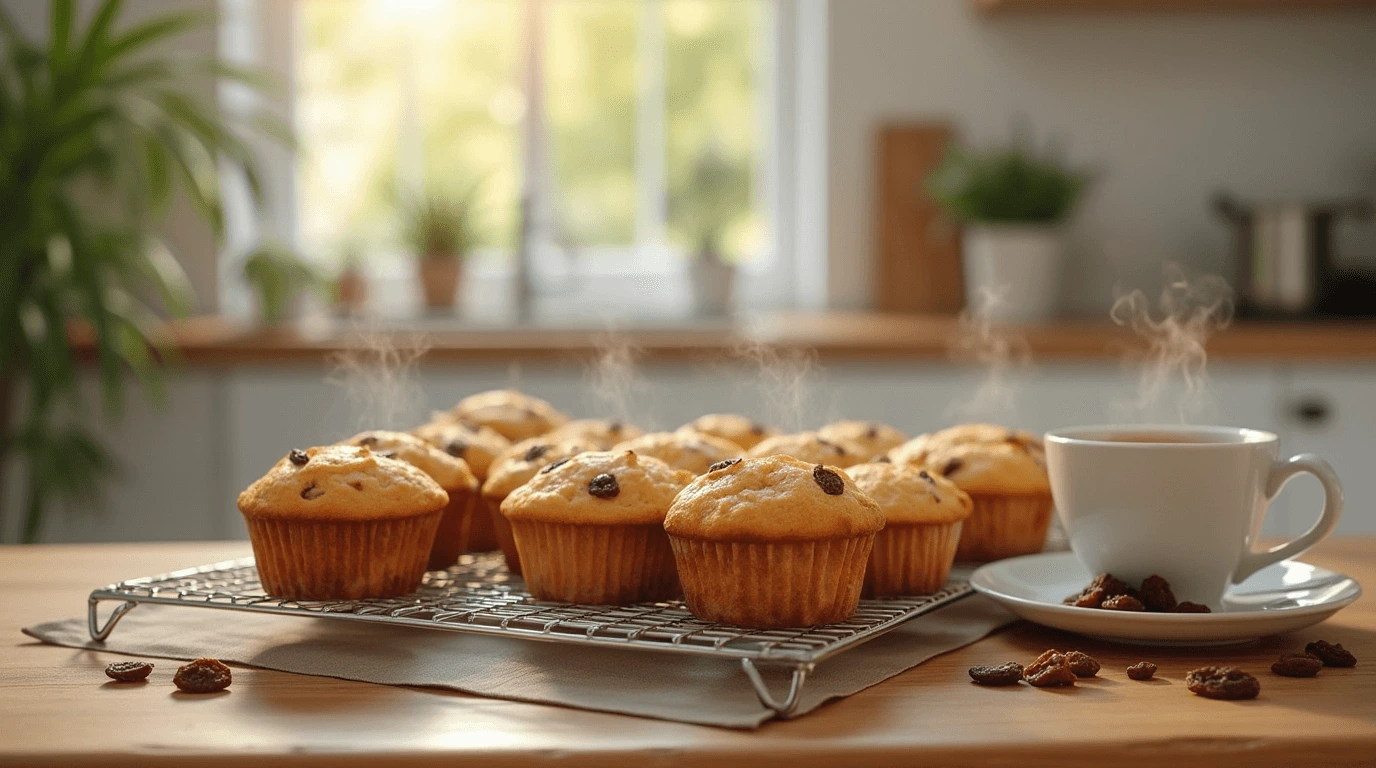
1279 598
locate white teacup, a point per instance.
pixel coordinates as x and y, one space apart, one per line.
1183 502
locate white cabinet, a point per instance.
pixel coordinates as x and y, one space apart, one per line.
1331 411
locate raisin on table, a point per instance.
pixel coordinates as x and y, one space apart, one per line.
1003 674
202 676
1297 665
1331 654
1229 683
1051 669
1082 664
1142 670
129 671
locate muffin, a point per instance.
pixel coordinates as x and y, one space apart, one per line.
1008 484
591 529
871 437
691 451
342 523
514 415
738 429
453 475
810 448
510 471
603 433
922 520
915 451
479 446
772 542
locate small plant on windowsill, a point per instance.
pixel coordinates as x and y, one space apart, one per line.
279 279
439 229
1013 201
350 288
709 206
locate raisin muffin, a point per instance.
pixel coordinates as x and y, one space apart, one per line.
1008 484
603 433
730 426
915 451
514 415
922 520
453 475
772 542
479 446
591 529
871 437
691 451
342 523
809 447
510 471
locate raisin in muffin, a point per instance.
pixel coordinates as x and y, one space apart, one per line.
809 447
1011 492
603 433
477 445
730 426
591 529
514 415
871 437
342 523
691 451
453 475
772 542
510 471
922 519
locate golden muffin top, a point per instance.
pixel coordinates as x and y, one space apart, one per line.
514 415
915 451
911 495
599 488
778 498
809 447
871 437
691 451
450 472
341 482
730 426
474 443
522 460
602 433
1009 467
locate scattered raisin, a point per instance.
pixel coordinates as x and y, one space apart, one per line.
1051 669
1156 594
202 676
1222 683
723 464
1123 603
1331 654
1003 674
456 448
1082 664
830 482
312 491
298 457
604 486
551 467
129 671
1103 586
1142 670
952 466
1297 665
535 452
1189 607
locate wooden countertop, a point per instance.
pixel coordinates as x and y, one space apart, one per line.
830 336
54 711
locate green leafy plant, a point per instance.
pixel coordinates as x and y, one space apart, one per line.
440 225
1006 185
716 194
97 135
277 276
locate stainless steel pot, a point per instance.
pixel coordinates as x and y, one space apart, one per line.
1284 250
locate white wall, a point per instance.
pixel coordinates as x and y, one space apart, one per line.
1171 107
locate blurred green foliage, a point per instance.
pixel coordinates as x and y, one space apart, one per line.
1008 184
277 275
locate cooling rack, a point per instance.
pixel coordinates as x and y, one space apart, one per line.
479 595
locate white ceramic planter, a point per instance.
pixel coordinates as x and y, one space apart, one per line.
1012 272
713 285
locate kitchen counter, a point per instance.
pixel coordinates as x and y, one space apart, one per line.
55 708
832 336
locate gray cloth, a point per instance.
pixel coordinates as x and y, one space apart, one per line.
683 688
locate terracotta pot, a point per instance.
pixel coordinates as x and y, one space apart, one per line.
351 291
439 280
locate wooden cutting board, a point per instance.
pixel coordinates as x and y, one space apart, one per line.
917 262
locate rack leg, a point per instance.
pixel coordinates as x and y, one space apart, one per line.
789 705
98 631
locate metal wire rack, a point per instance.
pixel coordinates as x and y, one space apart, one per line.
479 595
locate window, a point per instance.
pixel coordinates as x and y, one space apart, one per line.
648 120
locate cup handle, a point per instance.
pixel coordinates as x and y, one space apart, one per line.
1281 472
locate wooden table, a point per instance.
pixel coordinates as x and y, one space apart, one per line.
55 708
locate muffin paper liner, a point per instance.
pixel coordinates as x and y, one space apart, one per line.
1005 525
501 527
452 538
598 564
482 534
779 584
911 559
342 560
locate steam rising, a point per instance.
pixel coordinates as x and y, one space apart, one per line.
788 380
613 379
1186 315
380 378
999 351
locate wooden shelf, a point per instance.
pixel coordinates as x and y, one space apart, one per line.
1205 6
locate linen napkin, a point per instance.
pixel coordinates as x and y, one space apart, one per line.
670 687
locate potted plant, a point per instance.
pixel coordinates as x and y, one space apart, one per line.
279 279
438 228
350 285
1012 201
707 206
